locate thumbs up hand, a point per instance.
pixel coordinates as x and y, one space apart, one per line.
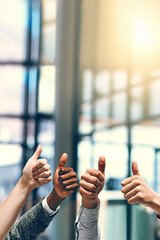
65 179
136 190
91 184
36 172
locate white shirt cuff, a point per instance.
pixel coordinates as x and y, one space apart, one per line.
47 208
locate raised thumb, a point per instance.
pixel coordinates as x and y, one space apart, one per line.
102 164
37 152
63 160
135 168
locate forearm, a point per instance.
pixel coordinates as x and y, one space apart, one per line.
12 206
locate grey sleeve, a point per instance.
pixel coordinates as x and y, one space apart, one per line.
86 224
31 224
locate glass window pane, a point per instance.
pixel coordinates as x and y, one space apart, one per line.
146 135
32 91
44 191
113 135
46 133
155 73
29 152
119 134
11 130
119 80
48 43
137 78
35 30
119 107
85 126
31 133
48 50
48 10
136 108
84 156
154 97
102 83
85 119
112 229
114 152
87 85
12 80
102 111
47 90
13 30
49 153
10 154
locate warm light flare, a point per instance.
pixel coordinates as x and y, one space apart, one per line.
142 34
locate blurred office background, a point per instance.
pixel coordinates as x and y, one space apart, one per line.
82 77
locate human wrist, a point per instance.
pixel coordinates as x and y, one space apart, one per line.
155 203
54 200
24 186
90 203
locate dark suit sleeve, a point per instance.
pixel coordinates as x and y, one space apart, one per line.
31 224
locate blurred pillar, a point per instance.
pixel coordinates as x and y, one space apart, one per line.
65 85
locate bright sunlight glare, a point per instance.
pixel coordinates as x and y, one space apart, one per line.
142 34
